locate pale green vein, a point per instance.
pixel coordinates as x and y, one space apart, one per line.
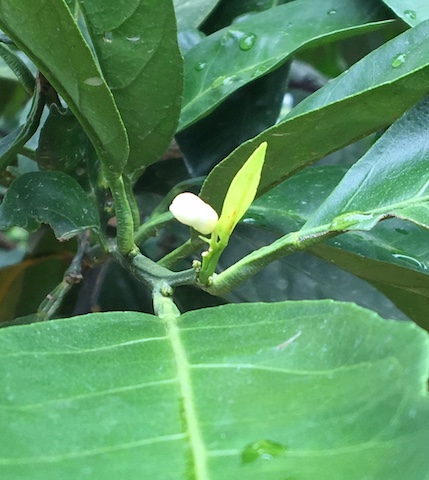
91 453
84 396
77 351
198 449
267 368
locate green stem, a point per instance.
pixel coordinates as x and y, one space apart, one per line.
132 202
49 307
181 252
151 227
257 260
124 218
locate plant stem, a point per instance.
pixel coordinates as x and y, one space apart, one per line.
255 261
151 227
181 252
124 218
132 202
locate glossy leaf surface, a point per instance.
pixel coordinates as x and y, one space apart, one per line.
71 69
228 59
393 255
191 13
48 197
348 107
136 45
411 11
390 180
310 389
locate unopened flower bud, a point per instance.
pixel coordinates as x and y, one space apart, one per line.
190 210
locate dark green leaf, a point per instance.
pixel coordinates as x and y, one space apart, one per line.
191 13
347 108
62 141
48 197
291 390
58 49
11 144
226 60
411 11
18 67
136 45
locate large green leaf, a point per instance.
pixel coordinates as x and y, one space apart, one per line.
228 59
190 13
136 45
58 49
348 107
390 180
411 11
291 390
48 197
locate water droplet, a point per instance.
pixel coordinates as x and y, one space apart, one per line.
247 41
398 60
229 36
200 66
332 12
108 37
260 71
94 81
410 260
224 81
133 39
411 14
262 449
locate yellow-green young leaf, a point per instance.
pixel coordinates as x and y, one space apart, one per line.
241 192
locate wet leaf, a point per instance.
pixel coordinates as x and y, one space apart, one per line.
48 197
191 13
305 389
136 45
72 70
411 11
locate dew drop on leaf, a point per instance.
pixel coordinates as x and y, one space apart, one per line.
108 37
411 14
200 66
398 60
332 12
247 41
94 81
262 449
133 39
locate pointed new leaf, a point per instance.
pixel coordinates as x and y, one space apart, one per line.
347 108
241 193
136 45
228 59
309 390
48 197
47 32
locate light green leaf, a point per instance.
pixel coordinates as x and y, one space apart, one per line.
411 11
48 197
191 13
347 108
18 67
241 193
390 180
291 390
228 59
136 45
58 49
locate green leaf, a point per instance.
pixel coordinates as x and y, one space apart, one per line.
59 50
191 13
411 11
19 68
228 59
347 108
62 141
12 143
291 390
390 180
48 197
136 45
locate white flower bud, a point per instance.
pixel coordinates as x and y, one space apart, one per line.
191 210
